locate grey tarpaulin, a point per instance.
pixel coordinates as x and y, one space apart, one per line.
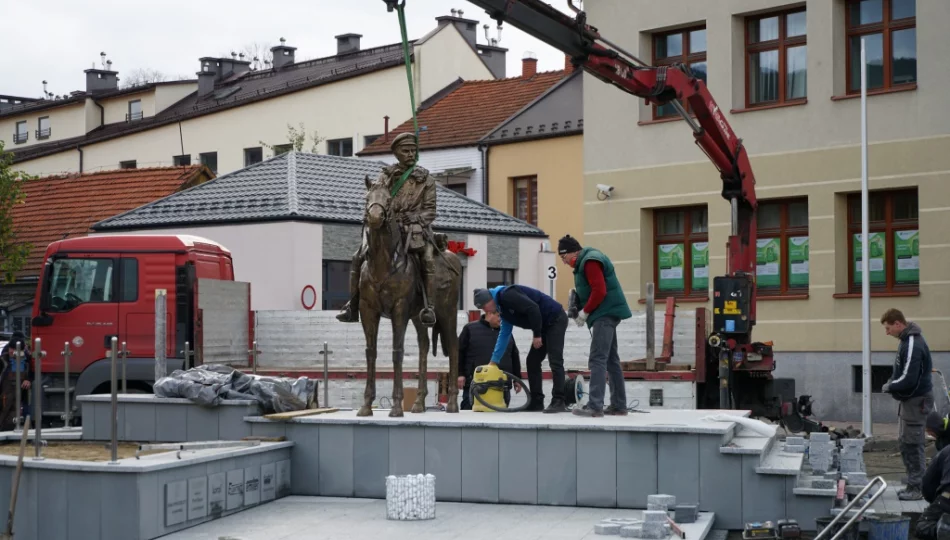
208 385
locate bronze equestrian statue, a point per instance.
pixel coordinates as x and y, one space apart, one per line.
385 281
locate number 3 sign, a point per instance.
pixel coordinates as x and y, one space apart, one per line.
552 273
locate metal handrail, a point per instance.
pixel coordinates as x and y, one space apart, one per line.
857 514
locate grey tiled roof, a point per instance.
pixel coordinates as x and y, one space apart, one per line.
302 187
248 88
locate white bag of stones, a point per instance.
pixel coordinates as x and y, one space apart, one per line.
410 497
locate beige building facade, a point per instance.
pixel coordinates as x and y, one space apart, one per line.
786 75
348 100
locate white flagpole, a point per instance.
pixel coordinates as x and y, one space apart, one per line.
865 254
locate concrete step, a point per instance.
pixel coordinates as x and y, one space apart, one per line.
748 442
779 462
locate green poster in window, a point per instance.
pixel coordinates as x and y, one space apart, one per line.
907 253
670 263
876 265
798 261
700 266
768 263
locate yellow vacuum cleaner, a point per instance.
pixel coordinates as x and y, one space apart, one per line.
488 389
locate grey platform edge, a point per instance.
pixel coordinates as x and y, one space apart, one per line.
75 503
144 418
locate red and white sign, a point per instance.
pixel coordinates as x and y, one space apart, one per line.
308 297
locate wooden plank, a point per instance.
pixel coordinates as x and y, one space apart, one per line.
295 414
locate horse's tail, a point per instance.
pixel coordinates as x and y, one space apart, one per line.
435 342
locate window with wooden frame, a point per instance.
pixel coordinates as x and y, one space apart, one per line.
776 59
526 199
890 30
681 248
782 247
894 263
687 46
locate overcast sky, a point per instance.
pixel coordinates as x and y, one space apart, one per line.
55 40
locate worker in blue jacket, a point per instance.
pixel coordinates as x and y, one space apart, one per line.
531 309
8 389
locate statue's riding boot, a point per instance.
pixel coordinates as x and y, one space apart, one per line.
351 311
427 315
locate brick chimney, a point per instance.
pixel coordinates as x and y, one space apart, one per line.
529 65
568 66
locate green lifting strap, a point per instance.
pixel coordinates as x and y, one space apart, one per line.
400 10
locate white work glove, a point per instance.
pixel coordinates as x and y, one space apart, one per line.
581 318
886 388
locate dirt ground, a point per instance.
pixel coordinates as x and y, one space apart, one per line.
75 450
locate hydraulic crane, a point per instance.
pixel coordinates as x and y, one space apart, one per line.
739 367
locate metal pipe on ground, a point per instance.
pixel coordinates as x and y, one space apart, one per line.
15 489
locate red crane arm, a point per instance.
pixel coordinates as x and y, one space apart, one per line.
657 85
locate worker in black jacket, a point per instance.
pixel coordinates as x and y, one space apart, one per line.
8 389
934 522
476 343
912 386
530 308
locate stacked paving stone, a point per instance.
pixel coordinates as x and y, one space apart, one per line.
654 525
796 445
852 456
686 513
821 452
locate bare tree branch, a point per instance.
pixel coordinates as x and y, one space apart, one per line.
140 76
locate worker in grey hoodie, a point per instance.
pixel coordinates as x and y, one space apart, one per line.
912 386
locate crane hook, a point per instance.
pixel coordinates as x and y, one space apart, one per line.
570 4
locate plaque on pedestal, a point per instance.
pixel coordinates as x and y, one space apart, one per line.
235 489
176 498
268 482
197 498
252 485
217 492
283 478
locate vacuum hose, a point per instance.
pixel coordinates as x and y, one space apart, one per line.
477 389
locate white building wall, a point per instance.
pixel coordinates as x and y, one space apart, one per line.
442 59
437 161
65 122
167 95
533 265
116 108
277 259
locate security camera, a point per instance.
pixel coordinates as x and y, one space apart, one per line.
604 191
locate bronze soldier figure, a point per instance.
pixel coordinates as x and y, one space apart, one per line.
414 207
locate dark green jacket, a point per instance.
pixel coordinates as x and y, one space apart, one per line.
614 302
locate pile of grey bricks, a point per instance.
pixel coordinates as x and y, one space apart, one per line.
827 461
654 525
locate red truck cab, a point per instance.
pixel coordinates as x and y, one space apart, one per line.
99 287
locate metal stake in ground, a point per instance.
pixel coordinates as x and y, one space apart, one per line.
125 355
651 329
254 352
113 354
19 364
326 374
161 301
38 355
66 409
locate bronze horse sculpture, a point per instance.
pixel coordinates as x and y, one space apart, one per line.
390 287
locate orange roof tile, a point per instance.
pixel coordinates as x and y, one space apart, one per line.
471 111
57 207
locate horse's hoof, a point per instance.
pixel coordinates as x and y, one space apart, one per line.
365 410
452 407
395 413
418 408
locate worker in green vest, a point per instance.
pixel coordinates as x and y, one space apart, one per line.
601 305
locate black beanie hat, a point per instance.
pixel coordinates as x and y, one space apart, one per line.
568 244
936 422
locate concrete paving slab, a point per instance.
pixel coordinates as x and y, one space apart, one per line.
322 518
655 421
